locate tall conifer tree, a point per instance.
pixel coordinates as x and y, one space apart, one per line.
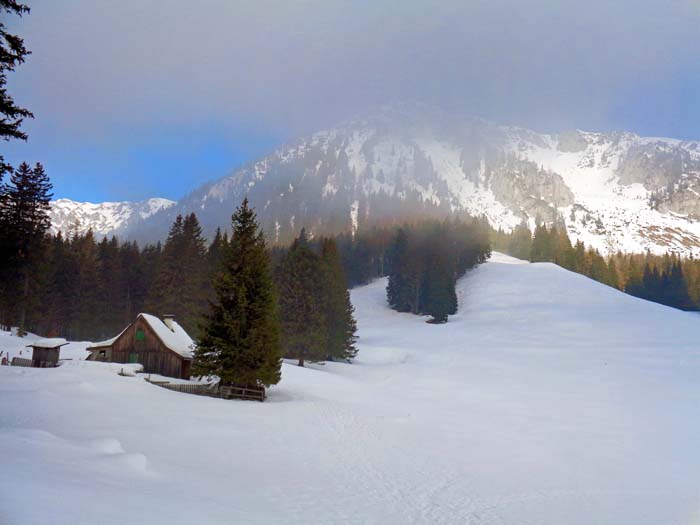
179 286
24 220
439 295
400 288
341 325
240 338
302 303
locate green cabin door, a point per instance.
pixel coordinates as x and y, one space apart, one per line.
139 337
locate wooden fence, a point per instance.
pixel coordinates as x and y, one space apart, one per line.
23 361
224 392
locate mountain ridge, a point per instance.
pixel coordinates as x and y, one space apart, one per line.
613 191
104 219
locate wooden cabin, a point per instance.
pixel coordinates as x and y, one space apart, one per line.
162 347
46 352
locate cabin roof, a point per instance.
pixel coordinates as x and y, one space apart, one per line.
107 342
176 339
52 342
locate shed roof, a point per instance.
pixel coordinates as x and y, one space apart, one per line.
176 339
52 342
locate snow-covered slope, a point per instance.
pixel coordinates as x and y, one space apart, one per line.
614 191
106 218
548 399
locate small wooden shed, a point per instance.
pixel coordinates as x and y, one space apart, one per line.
46 352
162 347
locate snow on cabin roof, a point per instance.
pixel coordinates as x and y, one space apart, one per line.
108 342
176 339
52 342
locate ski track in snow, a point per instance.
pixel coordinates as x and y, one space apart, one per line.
548 398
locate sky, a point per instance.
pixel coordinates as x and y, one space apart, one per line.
138 99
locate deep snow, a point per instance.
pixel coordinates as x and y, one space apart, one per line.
548 398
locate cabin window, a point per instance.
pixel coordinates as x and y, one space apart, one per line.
140 335
133 358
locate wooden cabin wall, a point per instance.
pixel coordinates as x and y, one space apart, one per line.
151 353
45 356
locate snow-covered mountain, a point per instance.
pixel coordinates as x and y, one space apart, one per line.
106 218
614 191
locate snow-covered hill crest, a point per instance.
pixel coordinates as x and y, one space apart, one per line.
106 218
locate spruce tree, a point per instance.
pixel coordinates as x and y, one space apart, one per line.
109 319
12 53
132 293
520 243
425 261
542 245
439 296
24 220
87 294
239 342
194 272
215 254
302 303
564 253
341 325
598 268
163 295
580 258
399 288
677 288
651 282
179 286
613 277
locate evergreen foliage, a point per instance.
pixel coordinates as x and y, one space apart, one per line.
24 220
300 277
215 258
180 284
543 245
664 279
439 295
425 261
12 53
341 326
316 314
240 338
404 279
521 242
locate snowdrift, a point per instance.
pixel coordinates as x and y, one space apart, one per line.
548 398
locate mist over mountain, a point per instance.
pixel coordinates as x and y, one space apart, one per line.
614 191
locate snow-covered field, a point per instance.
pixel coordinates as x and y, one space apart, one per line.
549 398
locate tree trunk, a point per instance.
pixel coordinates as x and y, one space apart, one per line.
301 361
23 314
416 299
